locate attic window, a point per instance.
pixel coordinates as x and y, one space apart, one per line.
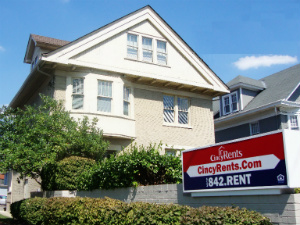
161 52
230 103
147 49
132 46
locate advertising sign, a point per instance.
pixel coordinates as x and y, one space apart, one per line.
248 163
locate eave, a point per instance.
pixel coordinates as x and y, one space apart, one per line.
34 82
246 113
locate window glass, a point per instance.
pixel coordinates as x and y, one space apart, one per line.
234 102
183 107
147 49
294 122
162 52
230 103
104 96
77 93
254 128
226 105
132 46
126 101
168 108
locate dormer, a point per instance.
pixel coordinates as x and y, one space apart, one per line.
37 45
242 91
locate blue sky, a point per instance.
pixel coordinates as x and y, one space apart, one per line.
254 38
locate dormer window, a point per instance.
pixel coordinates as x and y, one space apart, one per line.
230 103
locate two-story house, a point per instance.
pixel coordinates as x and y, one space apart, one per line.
136 75
258 106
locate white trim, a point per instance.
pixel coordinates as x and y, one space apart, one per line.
280 103
246 121
63 54
241 98
297 121
298 86
229 96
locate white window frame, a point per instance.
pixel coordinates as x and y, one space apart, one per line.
294 122
126 101
105 96
252 126
176 111
161 52
229 96
146 50
154 50
77 93
133 47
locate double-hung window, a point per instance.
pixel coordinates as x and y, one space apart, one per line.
126 101
147 50
104 98
132 46
169 108
77 93
294 123
176 109
161 52
230 103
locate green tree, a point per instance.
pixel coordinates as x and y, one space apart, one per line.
37 135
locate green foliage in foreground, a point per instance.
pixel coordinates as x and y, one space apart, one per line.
67 174
138 166
77 211
134 167
37 135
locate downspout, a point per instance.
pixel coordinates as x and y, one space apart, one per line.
277 119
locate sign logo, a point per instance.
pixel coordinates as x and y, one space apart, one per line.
280 179
225 155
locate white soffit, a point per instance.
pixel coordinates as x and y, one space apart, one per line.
65 53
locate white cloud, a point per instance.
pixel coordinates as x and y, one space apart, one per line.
2 49
250 62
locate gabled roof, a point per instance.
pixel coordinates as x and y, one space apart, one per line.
64 54
279 87
46 43
249 83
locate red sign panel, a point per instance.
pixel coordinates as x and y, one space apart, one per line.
248 163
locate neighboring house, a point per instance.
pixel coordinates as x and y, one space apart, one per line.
136 75
258 106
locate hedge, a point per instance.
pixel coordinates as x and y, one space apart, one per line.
68 174
77 211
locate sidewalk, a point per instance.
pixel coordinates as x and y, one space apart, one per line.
5 213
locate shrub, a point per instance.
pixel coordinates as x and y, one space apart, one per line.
72 173
77 211
29 211
138 166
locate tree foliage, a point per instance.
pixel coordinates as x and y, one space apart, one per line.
37 135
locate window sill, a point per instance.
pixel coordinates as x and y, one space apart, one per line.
151 63
177 125
101 114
